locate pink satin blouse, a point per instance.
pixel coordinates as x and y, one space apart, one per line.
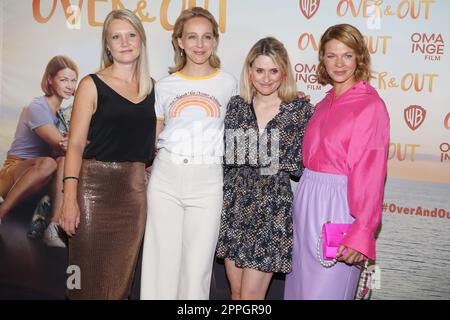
349 135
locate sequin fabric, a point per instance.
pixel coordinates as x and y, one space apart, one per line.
113 207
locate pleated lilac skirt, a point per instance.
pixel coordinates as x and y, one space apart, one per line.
320 197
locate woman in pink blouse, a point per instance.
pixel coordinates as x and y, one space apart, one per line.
345 156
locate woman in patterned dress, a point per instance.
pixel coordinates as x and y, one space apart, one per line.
264 132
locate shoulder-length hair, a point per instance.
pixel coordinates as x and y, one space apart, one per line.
274 49
186 15
142 70
56 64
352 38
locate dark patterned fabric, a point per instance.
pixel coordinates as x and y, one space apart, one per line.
256 225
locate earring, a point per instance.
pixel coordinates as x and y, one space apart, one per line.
108 52
181 52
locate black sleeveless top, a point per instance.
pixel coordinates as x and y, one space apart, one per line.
120 130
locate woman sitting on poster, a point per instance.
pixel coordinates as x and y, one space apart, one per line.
35 158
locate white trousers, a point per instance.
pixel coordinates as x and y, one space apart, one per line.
184 207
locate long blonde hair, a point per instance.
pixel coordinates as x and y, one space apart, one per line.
143 74
352 38
274 49
195 12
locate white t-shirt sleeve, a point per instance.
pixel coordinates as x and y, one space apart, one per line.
159 110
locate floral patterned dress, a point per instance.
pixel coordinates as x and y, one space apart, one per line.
256 224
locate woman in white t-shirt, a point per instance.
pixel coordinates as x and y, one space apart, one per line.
185 188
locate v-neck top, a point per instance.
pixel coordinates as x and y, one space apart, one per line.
121 130
261 131
279 142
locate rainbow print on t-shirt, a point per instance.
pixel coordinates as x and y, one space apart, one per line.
195 100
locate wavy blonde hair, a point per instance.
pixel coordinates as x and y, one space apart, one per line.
352 38
274 49
186 15
143 74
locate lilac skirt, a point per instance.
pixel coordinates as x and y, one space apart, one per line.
320 197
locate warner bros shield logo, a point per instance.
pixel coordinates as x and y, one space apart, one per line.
414 116
309 7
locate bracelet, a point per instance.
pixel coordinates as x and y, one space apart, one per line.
67 178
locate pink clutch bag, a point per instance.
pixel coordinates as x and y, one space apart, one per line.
332 237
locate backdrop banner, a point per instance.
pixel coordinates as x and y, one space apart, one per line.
408 43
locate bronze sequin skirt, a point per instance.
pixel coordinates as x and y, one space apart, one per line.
113 206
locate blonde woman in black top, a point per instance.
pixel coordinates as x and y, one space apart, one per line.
104 208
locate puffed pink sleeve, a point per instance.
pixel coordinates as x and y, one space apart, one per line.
367 161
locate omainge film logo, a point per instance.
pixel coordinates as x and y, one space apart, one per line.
414 116
431 46
307 74
309 7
